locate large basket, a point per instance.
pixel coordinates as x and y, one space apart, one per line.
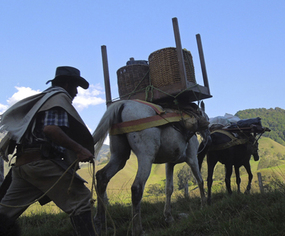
132 79
164 67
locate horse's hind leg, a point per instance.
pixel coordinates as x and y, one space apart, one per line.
229 171
168 191
250 176
120 153
144 168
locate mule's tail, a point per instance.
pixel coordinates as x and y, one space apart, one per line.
202 151
106 122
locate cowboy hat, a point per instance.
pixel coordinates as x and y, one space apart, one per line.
72 73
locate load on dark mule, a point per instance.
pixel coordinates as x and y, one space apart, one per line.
232 146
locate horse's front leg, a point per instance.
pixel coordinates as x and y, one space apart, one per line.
168 191
197 174
229 171
192 161
250 176
238 180
144 168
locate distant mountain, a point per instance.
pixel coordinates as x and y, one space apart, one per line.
104 153
271 118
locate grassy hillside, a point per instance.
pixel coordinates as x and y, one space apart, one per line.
271 118
271 165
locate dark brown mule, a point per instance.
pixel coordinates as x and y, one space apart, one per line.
237 156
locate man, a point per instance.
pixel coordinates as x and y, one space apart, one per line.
49 135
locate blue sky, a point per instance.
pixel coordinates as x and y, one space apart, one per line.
243 44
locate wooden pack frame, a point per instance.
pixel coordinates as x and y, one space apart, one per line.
184 90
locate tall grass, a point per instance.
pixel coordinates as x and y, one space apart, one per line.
238 214
43 221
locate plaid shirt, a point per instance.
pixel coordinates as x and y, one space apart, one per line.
55 116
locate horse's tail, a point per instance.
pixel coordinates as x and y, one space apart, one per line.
107 120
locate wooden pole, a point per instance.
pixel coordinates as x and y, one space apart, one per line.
180 57
202 61
106 75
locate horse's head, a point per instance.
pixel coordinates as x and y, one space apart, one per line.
252 147
203 125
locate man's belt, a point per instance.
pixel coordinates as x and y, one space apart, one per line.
28 155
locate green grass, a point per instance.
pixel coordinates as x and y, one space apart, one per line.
239 214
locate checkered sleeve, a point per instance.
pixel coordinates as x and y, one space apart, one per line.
57 116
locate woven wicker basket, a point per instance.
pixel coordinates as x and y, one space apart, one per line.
132 78
164 68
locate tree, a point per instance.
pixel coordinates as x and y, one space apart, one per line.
184 176
155 189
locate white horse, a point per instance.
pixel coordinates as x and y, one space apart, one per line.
162 144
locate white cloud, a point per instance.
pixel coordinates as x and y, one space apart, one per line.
88 97
3 108
83 99
22 93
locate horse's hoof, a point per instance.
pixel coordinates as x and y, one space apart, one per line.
97 226
209 202
182 215
169 220
247 192
203 202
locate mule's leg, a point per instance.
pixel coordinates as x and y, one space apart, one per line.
250 176
229 171
238 180
202 151
211 161
192 161
120 152
168 191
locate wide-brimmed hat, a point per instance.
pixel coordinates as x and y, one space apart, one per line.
72 73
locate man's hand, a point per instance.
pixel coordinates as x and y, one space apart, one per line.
56 134
84 155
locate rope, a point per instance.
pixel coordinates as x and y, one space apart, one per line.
92 190
135 89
